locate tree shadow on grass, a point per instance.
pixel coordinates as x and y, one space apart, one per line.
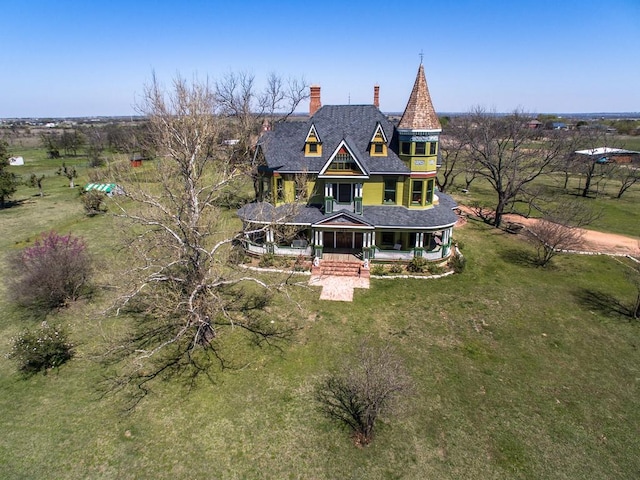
602 303
519 256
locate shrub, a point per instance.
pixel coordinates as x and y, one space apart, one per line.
364 388
417 265
458 263
41 349
378 270
93 202
50 273
396 268
267 260
435 269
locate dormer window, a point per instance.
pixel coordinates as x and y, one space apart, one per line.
378 143
313 145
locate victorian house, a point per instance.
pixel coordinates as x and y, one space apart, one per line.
349 180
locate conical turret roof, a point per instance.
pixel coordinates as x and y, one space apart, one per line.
419 113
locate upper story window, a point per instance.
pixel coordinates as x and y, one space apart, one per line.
421 148
378 143
279 189
389 190
405 148
416 192
343 162
313 145
432 148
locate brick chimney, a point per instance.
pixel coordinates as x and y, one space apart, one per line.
314 103
376 96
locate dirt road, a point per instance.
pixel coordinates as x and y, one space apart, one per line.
592 240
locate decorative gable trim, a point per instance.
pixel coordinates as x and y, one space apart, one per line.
312 135
378 143
343 148
343 219
312 143
379 131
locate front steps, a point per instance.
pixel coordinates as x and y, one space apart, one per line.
338 268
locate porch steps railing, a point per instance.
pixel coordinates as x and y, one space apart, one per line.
340 269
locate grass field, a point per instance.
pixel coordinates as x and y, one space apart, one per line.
520 372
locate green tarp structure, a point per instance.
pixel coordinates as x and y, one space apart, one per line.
108 188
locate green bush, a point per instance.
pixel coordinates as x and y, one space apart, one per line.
93 202
435 269
41 349
458 263
417 265
378 270
268 260
396 268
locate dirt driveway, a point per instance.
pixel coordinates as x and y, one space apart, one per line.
592 240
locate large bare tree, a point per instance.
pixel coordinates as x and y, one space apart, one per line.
509 155
180 289
251 109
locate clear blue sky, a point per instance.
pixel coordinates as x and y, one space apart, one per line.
85 57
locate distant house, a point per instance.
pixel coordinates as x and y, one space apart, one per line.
558 126
610 155
350 181
535 124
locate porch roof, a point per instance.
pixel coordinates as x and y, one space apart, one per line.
379 216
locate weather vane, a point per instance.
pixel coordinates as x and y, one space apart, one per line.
421 56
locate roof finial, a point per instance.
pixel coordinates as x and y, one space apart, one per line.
421 56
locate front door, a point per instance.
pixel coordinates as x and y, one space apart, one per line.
344 240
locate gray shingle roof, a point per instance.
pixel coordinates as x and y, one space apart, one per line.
395 216
283 147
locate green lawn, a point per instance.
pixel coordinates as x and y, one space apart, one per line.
520 372
620 216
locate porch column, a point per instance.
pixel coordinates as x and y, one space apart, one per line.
446 242
317 243
269 241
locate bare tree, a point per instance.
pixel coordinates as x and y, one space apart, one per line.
181 290
36 182
508 154
453 156
366 387
252 110
628 175
560 228
69 173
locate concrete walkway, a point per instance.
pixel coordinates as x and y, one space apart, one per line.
338 288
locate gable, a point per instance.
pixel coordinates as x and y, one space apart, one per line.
343 163
343 219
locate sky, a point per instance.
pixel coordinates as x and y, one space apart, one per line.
93 57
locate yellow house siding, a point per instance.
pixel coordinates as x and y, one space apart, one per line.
373 190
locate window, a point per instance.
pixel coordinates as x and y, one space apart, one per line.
432 148
343 161
389 190
416 192
313 148
388 238
421 148
405 148
344 192
430 191
378 148
279 189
